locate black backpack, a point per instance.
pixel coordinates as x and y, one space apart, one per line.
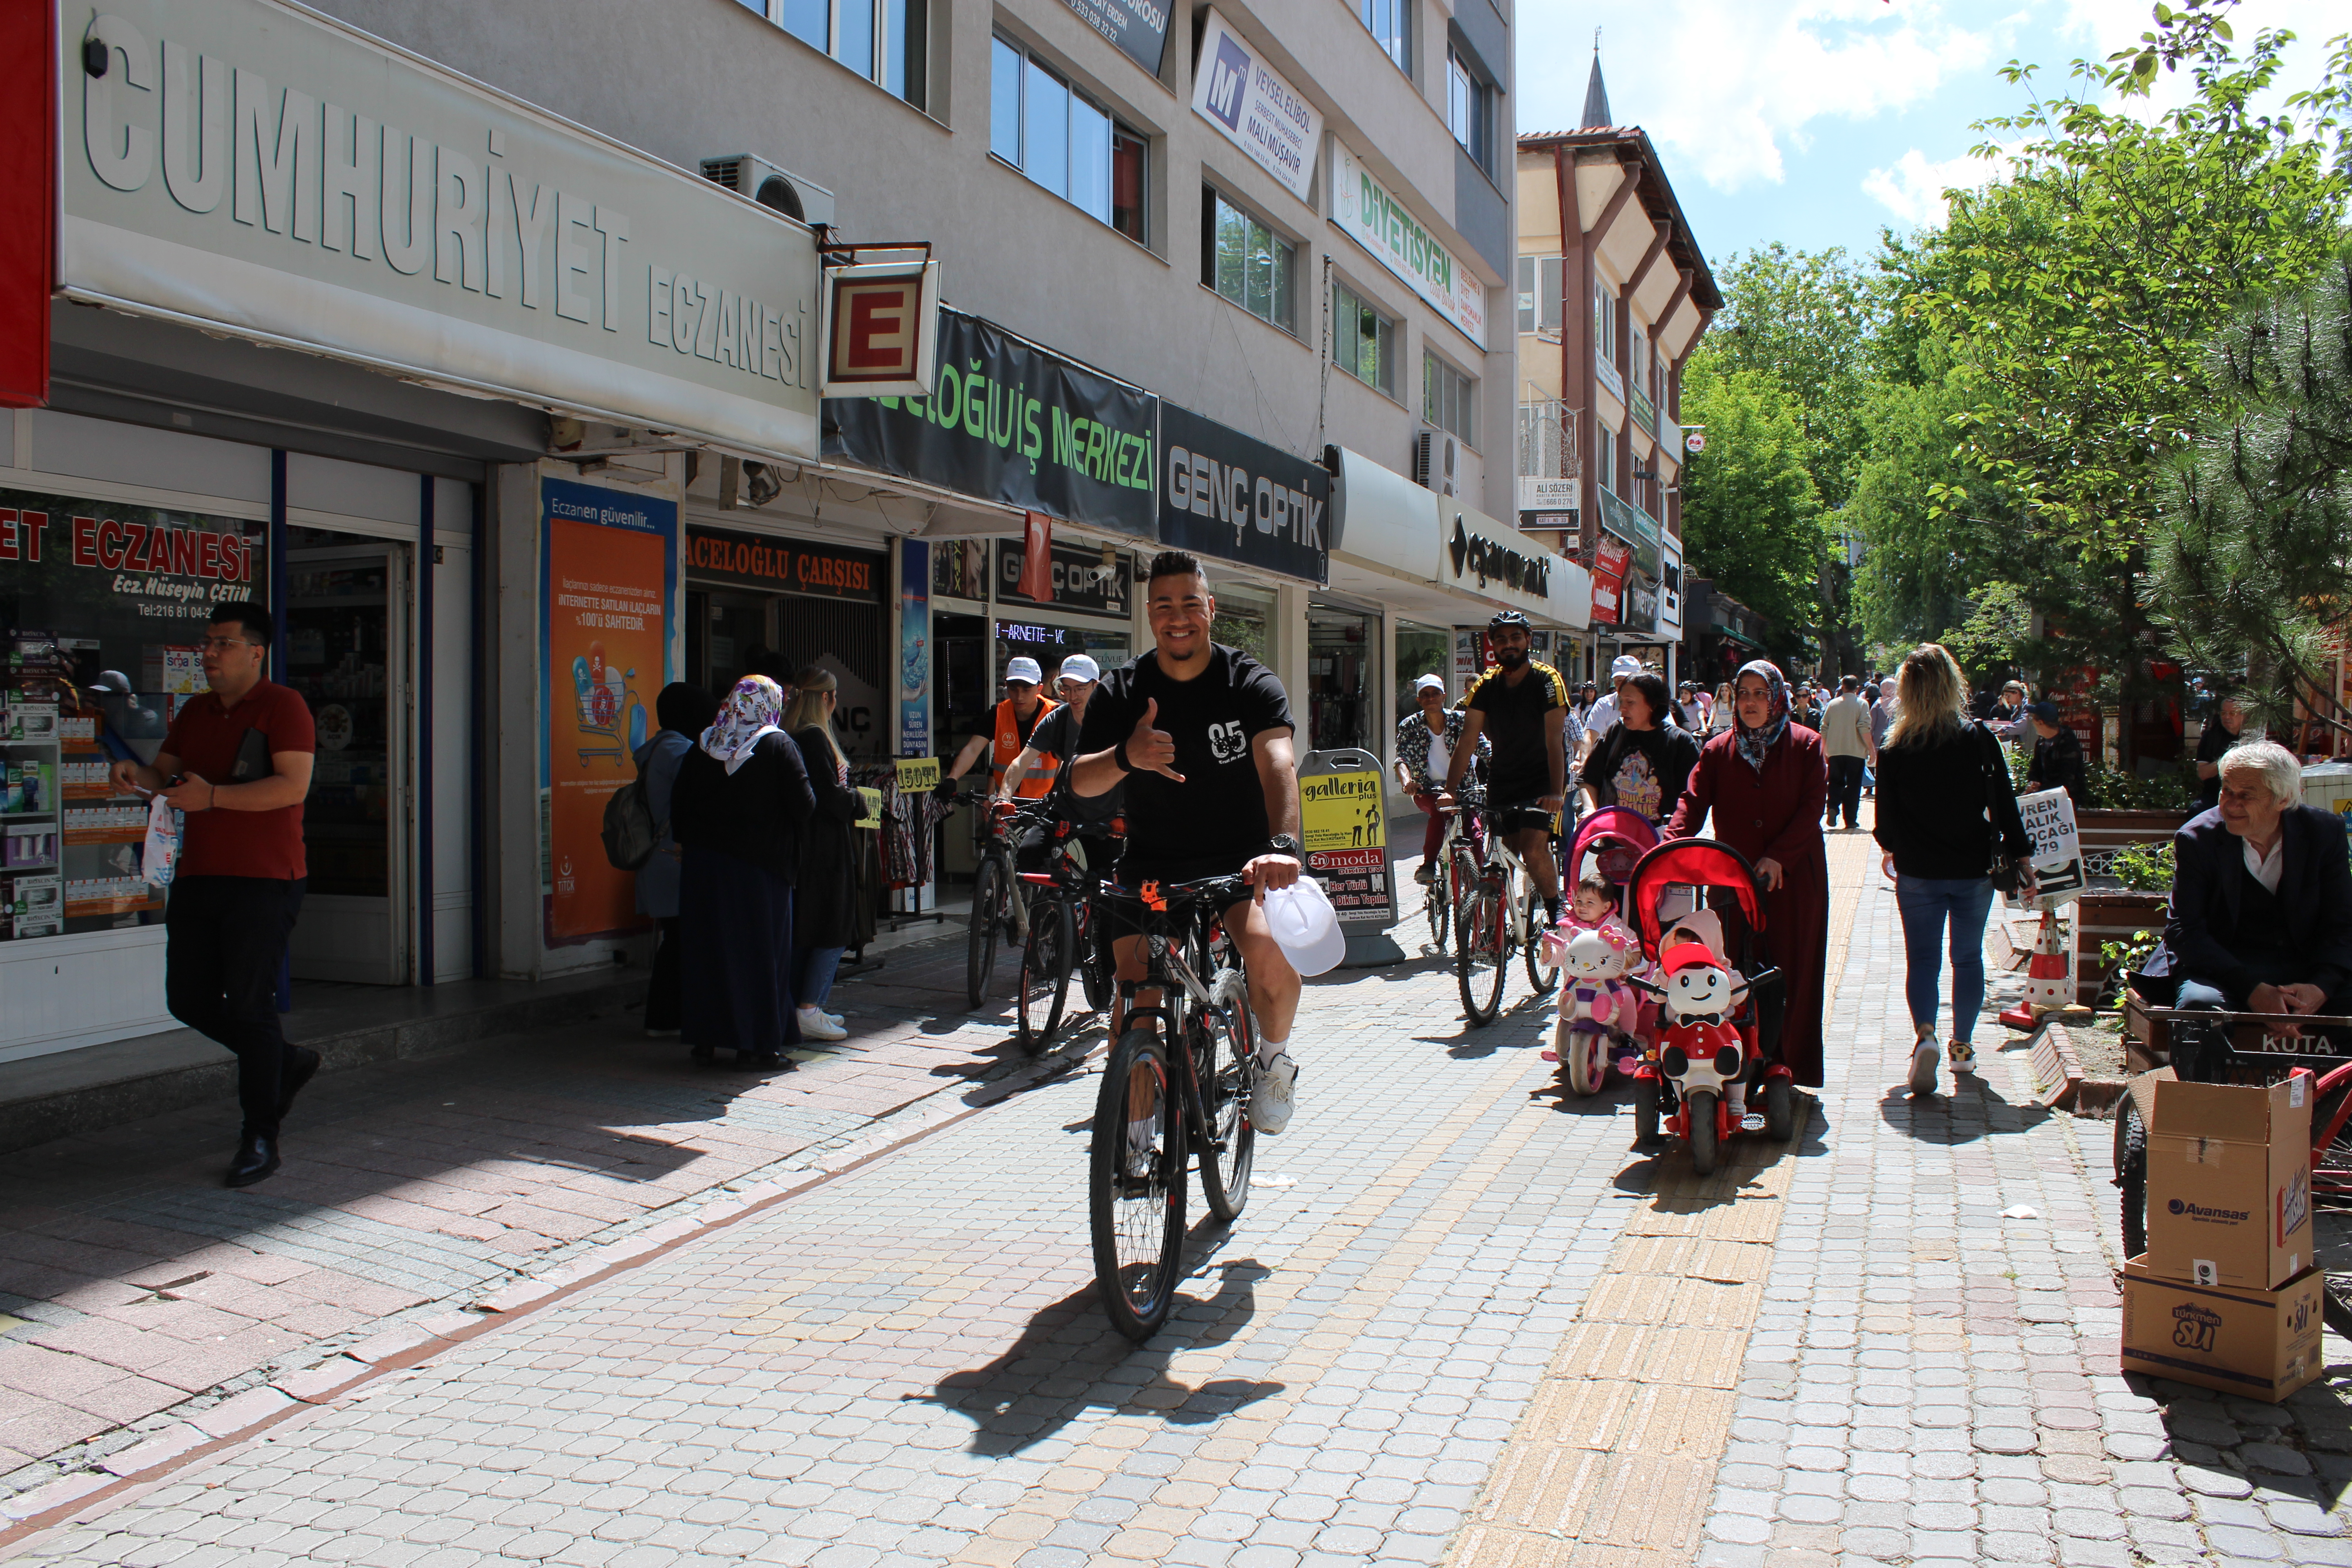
631 834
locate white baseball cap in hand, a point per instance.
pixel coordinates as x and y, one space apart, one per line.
1306 926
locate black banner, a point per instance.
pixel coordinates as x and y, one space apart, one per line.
1231 496
785 565
1081 582
1136 28
1012 423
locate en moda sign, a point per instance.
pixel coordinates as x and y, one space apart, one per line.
1256 109
1385 226
256 168
785 565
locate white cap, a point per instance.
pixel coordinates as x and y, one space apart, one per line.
1624 666
1430 683
1306 926
1081 667
1025 668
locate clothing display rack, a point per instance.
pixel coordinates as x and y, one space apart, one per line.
903 845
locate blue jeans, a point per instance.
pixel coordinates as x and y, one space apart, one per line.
815 968
1927 902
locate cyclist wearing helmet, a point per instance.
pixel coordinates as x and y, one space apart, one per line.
1521 705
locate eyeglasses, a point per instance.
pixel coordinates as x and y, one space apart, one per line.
222 645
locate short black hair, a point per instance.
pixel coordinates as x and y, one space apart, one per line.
685 707
1653 692
1848 682
248 616
1174 564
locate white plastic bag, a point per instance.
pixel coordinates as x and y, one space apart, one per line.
160 857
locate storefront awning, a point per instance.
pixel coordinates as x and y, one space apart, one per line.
1436 559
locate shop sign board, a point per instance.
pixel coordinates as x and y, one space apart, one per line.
1611 556
1253 107
254 168
1637 527
881 328
1385 226
1545 493
1383 518
608 575
1081 583
959 569
1136 28
1343 827
1670 588
1480 556
1015 423
786 565
914 647
75 563
1231 496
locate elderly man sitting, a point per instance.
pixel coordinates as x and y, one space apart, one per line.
2261 896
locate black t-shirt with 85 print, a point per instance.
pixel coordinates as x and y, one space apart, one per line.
1218 812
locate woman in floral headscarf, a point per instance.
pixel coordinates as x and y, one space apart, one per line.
736 811
1766 781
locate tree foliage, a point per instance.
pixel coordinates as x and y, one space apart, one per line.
1751 515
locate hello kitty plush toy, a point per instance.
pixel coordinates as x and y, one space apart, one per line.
1597 1002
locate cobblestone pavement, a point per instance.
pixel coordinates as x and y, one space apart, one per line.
1460 1322
135 1290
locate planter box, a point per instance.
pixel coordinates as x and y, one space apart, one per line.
2101 918
2105 832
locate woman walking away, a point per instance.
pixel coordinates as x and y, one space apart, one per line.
824 910
1646 759
1765 779
684 711
1939 777
742 801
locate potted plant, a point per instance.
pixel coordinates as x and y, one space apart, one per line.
2113 922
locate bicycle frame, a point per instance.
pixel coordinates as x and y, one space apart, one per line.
1518 884
1165 961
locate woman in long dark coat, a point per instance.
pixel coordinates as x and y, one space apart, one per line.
824 899
736 811
1766 781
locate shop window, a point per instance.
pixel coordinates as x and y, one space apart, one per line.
102 612
1340 647
1421 650
1055 134
885 41
1470 110
1363 341
1538 283
1247 262
1244 619
1446 396
1390 22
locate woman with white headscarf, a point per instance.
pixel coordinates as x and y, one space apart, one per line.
741 799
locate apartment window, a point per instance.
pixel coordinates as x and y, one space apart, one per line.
1539 293
1639 361
1446 396
1363 341
1392 25
885 41
1607 445
1604 322
1470 110
1247 262
1060 138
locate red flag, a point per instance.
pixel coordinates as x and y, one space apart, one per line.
28 195
1037 560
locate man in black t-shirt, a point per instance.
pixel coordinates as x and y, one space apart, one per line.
1200 735
1521 706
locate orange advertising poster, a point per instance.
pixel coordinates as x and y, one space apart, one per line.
609 565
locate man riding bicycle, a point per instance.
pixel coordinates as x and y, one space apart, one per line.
1200 735
1521 706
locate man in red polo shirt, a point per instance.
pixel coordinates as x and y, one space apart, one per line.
239 882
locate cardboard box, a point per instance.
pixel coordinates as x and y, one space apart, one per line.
2262 1344
2229 1183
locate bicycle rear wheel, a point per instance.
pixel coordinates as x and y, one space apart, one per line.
987 917
1227 1066
1044 985
1090 954
1481 956
1135 1186
1437 905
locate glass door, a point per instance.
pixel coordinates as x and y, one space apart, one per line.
346 652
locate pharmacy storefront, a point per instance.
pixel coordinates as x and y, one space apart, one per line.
460 290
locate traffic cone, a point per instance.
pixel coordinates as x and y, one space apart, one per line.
2049 976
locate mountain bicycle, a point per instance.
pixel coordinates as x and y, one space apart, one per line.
1064 937
1179 1079
1000 900
1495 918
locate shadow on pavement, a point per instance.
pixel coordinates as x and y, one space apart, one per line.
1976 1111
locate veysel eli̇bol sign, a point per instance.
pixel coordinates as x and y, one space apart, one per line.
249 167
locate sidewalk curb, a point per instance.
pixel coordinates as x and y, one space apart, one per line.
245 1416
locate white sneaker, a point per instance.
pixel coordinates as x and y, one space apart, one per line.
1270 1102
1923 1067
816 1026
834 1019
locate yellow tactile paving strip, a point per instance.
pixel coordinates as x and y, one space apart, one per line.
1616 1458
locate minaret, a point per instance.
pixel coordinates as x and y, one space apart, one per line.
1596 95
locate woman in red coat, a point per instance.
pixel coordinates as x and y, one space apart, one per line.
1765 780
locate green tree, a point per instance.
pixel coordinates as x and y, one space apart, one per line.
1751 515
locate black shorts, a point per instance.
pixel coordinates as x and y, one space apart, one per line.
1133 874
1519 816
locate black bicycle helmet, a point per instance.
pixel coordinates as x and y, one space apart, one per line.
1506 620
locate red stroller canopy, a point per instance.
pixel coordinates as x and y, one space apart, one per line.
1689 862
1623 823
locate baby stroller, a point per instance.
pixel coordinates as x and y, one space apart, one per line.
1718 1035
1616 839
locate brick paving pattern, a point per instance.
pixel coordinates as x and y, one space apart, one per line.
1460 1322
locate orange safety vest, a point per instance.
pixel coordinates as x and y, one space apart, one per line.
1009 744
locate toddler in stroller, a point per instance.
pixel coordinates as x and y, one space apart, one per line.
1602 1017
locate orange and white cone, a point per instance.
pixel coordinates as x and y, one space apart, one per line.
2049 976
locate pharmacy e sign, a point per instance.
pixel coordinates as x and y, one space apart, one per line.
881 330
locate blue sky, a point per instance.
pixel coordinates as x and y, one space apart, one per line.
1818 122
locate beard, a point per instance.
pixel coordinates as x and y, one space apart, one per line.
1510 657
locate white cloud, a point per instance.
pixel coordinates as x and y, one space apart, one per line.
1728 87
1913 189
2093 30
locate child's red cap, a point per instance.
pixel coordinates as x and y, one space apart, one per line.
1688 956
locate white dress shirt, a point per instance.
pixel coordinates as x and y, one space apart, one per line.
2268 869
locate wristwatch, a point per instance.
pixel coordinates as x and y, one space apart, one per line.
1284 844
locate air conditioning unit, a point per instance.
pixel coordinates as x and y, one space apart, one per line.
771 186
1436 462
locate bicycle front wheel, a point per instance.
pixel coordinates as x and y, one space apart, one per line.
1135 1186
1437 904
1043 987
1481 955
987 917
1090 950
1227 1065
1541 974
